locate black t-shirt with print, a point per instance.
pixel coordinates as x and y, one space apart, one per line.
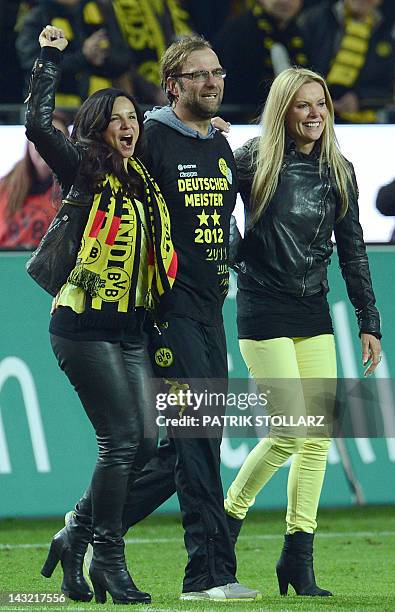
198 180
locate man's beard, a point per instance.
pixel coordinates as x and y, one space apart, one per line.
200 111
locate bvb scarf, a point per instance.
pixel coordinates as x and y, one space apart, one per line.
149 26
89 18
349 61
290 38
108 261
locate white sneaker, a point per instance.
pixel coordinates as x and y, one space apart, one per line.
228 592
89 551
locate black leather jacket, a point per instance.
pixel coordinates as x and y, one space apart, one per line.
63 156
290 246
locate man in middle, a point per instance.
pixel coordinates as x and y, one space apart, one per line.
194 167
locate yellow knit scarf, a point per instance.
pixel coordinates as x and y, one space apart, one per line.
140 23
108 261
349 61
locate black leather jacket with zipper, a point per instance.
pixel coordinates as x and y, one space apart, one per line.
289 248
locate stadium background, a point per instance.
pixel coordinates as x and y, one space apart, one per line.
47 449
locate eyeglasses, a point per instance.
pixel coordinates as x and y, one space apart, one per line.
200 76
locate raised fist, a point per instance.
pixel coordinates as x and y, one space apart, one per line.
53 37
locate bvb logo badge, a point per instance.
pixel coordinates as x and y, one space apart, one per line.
116 284
227 172
223 166
163 357
95 253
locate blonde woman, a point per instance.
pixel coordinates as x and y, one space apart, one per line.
297 189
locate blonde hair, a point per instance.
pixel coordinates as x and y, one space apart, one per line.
268 153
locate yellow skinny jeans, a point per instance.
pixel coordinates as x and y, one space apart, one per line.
290 359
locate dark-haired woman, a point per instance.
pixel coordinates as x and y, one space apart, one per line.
125 258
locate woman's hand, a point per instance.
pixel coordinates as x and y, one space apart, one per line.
53 37
96 47
371 352
54 304
348 103
221 125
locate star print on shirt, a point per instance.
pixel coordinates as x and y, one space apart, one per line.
215 217
203 218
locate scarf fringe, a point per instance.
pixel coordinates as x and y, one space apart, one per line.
86 279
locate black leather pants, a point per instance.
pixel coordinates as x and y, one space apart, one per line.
111 380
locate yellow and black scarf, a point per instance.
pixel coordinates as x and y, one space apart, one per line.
149 26
108 265
88 19
348 62
290 37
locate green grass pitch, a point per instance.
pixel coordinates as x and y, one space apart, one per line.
354 557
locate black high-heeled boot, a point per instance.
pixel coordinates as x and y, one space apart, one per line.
295 566
108 573
69 546
234 525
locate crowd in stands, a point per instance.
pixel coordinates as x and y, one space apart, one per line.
121 42
29 196
349 42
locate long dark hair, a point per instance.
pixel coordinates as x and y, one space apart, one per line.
99 159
